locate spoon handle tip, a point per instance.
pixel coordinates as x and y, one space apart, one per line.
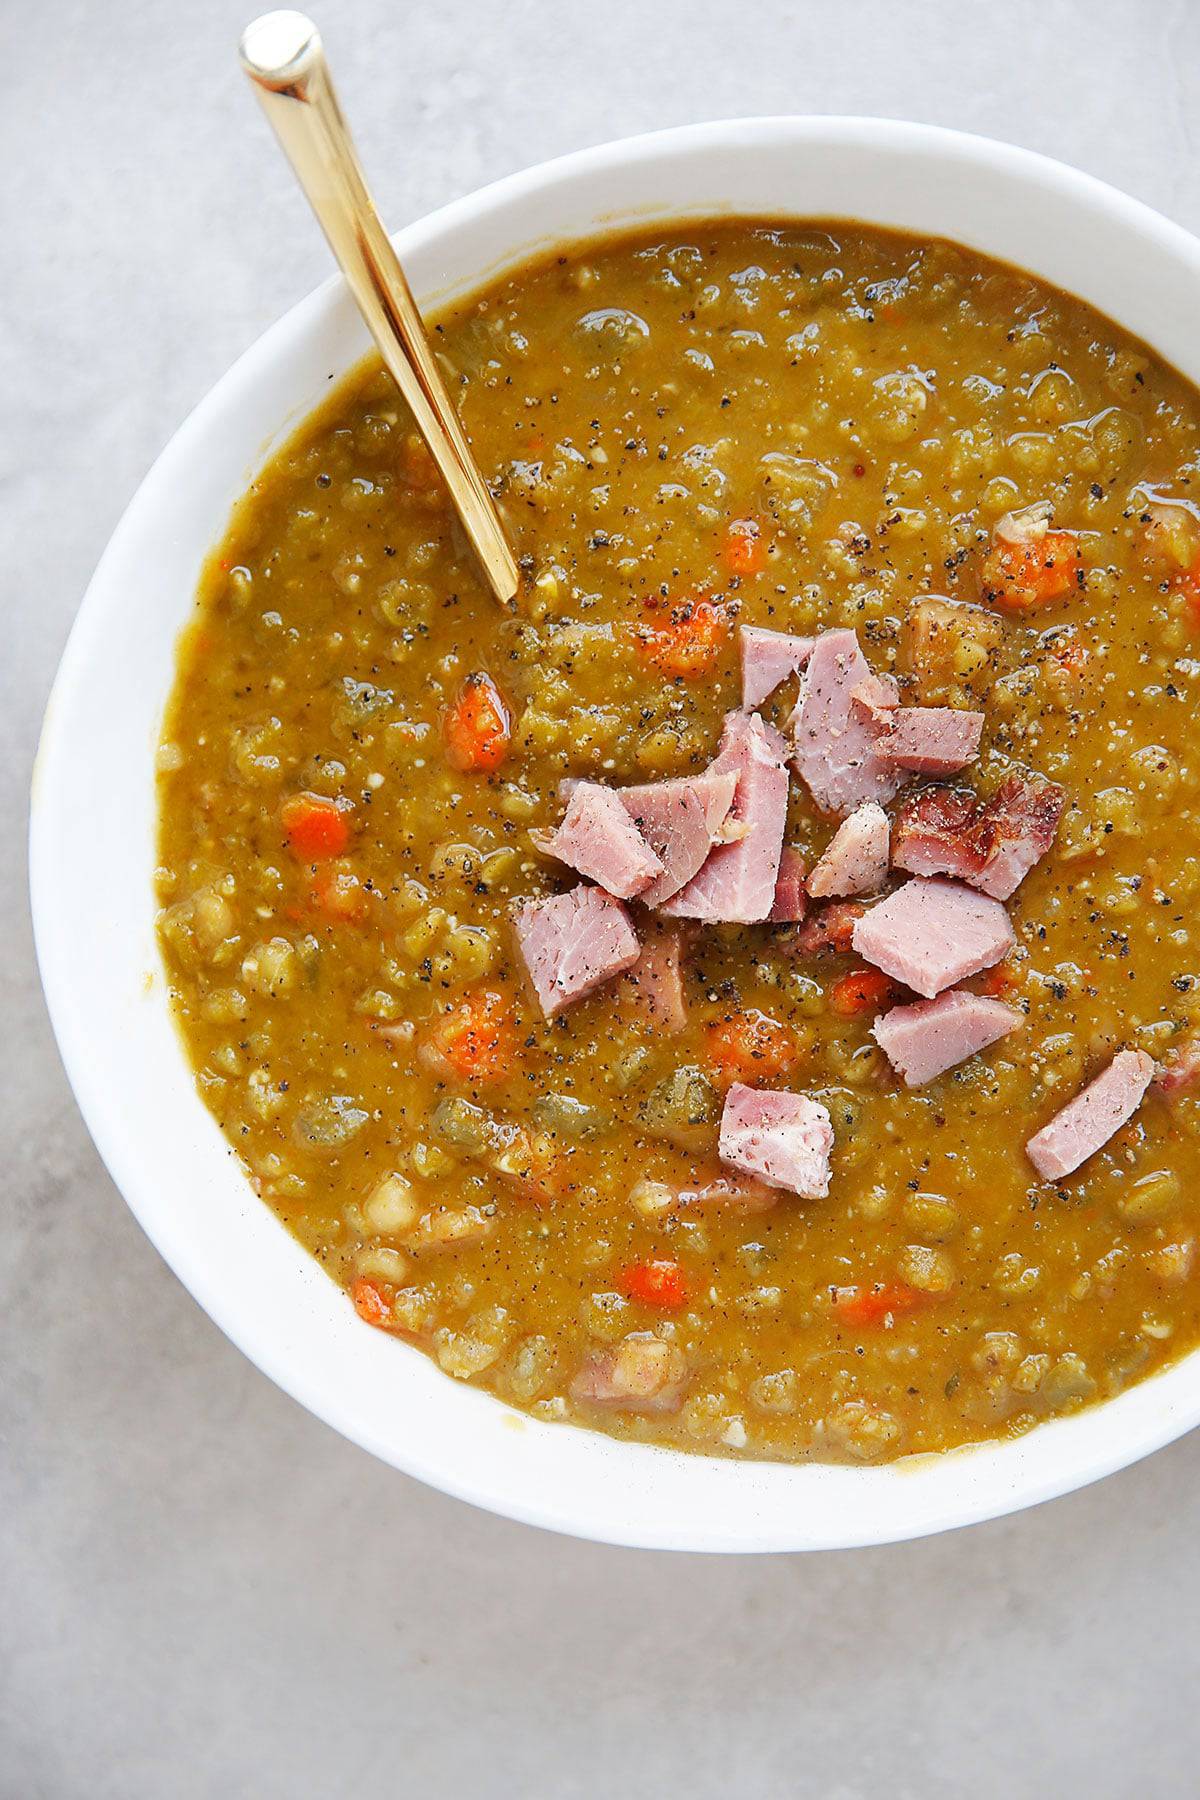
279 48
282 55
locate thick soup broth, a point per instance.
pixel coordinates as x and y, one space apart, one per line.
804 428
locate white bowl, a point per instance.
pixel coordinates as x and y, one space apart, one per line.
93 844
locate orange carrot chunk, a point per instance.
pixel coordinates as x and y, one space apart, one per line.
861 991
1020 576
744 552
1001 981
477 727
872 1305
662 1284
683 640
1188 584
475 1039
371 1303
339 894
314 827
751 1047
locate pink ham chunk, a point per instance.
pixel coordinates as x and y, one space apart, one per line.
856 862
680 820
640 1374
1086 1123
837 740
768 657
728 1196
598 839
945 831
931 935
1015 829
931 833
1182 1072
827 932
736 885
783 1138
791 895
573 942
931 1036
932 740
655 982
878 698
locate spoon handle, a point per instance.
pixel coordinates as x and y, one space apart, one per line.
283 56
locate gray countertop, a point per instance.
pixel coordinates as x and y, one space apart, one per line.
203 1591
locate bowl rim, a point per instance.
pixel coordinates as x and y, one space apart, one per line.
1130 1428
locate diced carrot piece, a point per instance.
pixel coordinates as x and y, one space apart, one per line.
371 1303
475 1039
314 827
744 552
1019 577
873 1305
861 991
1001 981
477 727
339 894
683 639
1188 584
662 1284
751 1047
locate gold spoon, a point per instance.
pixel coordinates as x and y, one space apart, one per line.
283 56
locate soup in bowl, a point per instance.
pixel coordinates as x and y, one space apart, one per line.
738 1002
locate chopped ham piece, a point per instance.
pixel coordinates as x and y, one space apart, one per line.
768 657
1016 828
878 698
856 862
837 741
931 833
784 1138
791 897
830 929
737 882
945 831
932 740
1025 524
573 942
1183 1070
655 981
950 648
681 820
640 1374
658 1199
746 1196
1086 1123
931 1036
931 935
599 839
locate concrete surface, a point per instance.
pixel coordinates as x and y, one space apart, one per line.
204 1592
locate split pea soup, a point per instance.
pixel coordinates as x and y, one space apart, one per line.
807 428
